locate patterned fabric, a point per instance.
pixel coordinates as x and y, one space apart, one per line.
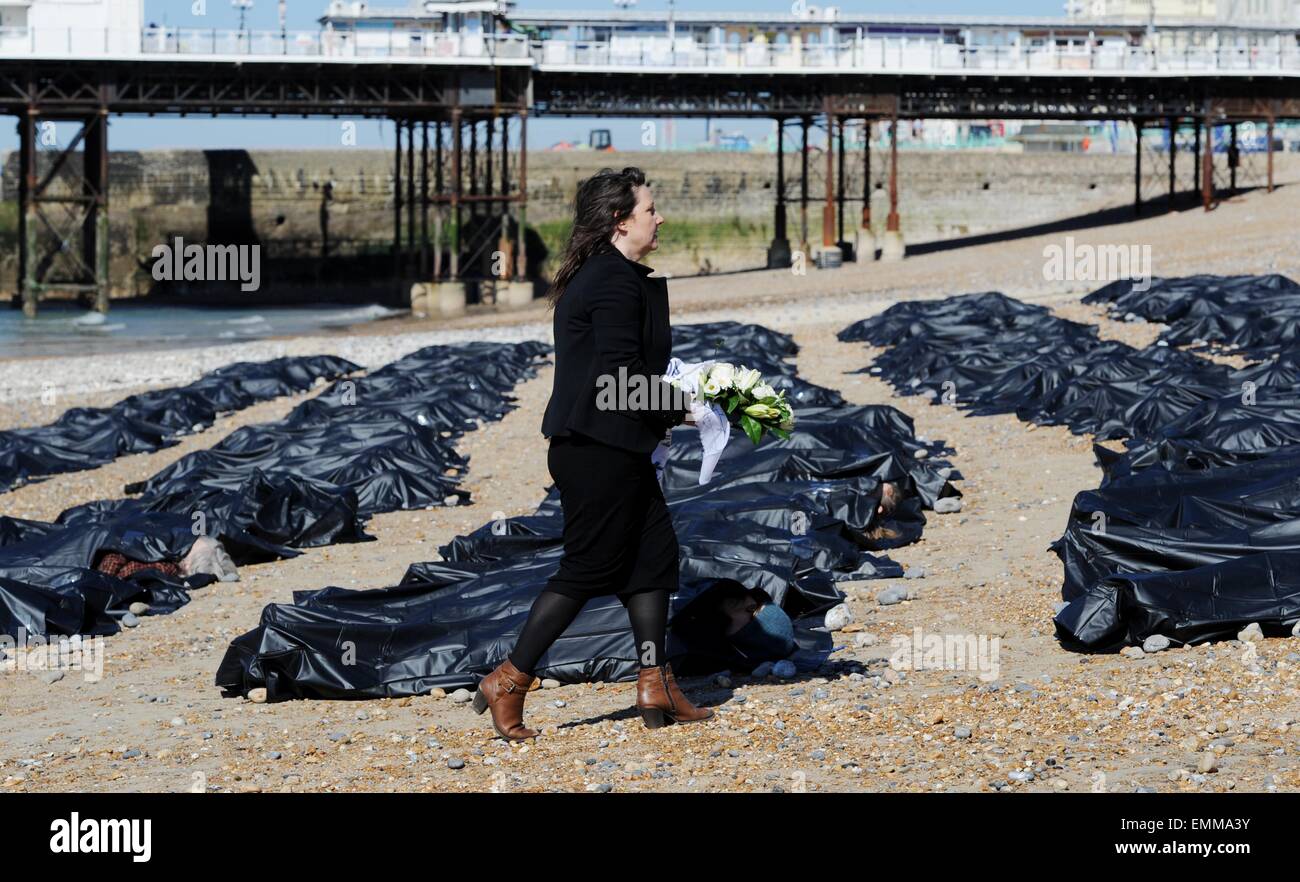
116 564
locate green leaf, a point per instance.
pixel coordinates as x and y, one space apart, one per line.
752 428
781 433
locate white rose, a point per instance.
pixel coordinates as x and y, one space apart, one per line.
723 374
711 387
762 391
746 378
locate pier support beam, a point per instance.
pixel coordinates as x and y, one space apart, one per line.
1173 161
1137 168
457 130
1196 160
398 269
803 189
424 201
830 254
892 248
1269 134
522 230
1207 166
864 245
846 247
1234 158
778 253
64 248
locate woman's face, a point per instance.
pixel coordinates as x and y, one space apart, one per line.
638 234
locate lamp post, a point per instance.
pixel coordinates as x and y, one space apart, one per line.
243 6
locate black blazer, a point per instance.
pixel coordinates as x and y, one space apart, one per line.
611 315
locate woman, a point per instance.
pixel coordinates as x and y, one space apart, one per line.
733 627
611 335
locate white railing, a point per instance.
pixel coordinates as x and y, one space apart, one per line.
924 56
215 42
868 54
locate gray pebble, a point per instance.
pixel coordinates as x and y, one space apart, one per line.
129 620
1155 643
891 596
838 616
961 732
916 572
461 696
947 505
455 762
139 608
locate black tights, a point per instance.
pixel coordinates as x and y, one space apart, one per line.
553 612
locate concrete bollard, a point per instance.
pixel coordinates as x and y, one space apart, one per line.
828 256
514 295
420 300
864 244
449 298
892 247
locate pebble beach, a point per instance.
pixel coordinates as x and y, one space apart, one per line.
1216 717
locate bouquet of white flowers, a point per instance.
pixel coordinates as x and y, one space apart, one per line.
746 399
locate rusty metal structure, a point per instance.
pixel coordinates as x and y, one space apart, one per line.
460 103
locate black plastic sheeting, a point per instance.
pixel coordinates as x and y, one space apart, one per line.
1193 533
786 517
1255 316
364 445
989 353
88 437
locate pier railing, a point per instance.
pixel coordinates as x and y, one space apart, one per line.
866 54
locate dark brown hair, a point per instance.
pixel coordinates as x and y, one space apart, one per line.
602 201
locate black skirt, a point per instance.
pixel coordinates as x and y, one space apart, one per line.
618 536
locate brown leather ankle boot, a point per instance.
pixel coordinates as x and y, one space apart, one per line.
503 690
658 696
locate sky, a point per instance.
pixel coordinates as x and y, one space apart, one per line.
158 133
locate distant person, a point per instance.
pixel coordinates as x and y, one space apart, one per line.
618 537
